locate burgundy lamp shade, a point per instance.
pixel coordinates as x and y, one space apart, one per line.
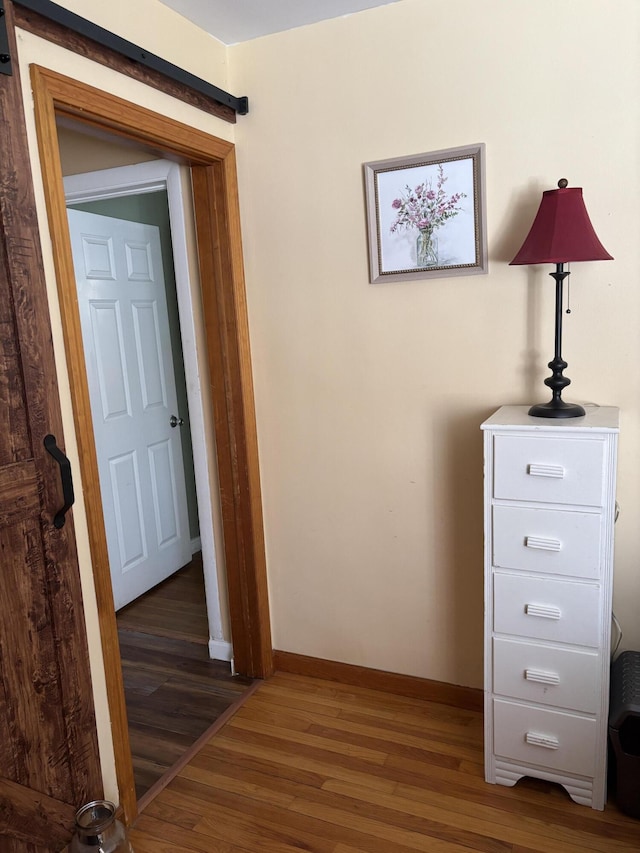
562 231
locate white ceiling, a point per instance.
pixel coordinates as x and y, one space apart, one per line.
233 21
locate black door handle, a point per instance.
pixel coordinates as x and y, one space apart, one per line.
65 476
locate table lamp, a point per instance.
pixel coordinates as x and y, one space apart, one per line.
561 232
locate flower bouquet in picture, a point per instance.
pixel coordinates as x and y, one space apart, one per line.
425 215
422 211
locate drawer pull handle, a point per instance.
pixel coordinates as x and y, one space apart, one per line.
545 611
541 676
542 544
537 470
547 741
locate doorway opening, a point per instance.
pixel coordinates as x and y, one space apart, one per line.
212 165
158 193
127 227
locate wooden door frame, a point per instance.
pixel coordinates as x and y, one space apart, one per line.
215 198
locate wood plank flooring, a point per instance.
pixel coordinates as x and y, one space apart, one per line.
310 765
173 691
175 608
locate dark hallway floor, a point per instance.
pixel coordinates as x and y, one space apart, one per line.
173 691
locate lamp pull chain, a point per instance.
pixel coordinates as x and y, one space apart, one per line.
569 290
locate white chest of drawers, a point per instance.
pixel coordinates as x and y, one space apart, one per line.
549 516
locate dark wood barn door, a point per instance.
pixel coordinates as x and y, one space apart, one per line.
49 763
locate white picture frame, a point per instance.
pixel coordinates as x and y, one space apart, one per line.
443 192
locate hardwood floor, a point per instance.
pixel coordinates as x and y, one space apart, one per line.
311 765
175 608
174 692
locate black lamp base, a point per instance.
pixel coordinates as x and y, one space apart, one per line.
557 409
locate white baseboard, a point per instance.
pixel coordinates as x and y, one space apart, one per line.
196 545
220 650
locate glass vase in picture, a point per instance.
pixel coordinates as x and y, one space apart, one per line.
427 248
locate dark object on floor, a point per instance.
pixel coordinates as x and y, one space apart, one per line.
624 730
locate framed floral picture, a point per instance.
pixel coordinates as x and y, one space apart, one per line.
426 215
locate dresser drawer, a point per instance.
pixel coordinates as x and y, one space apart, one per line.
553 739
547 540
565 678
551 470
546 609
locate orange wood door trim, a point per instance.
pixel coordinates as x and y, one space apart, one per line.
222 281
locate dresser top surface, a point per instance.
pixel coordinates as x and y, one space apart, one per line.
597 418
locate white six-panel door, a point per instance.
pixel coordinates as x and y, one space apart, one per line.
125 330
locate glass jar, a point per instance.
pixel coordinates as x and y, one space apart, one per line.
97 830
427 248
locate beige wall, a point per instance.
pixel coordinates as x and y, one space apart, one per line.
369 398
151 25
81 153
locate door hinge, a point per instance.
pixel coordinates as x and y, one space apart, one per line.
5 55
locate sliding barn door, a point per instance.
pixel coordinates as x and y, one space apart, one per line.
49 763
